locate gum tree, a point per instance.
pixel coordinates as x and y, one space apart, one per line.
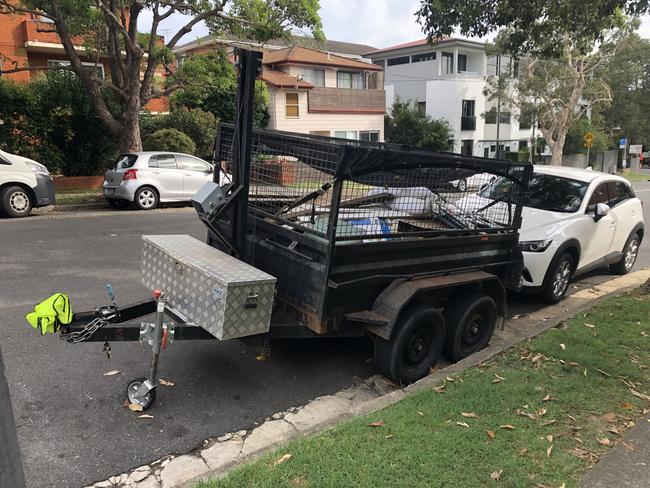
109 29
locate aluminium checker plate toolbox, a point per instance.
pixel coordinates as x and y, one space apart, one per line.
214 290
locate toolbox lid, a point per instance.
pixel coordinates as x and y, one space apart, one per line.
191 252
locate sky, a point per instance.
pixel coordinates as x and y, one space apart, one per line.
378 23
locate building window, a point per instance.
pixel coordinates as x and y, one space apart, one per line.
99 68
526 119
348 79
491 117
462 63
322 133
523 145
486 152
468 120
417 58
369 135
315 77
447 63
379 62
345 134
467 147
515 68
292 109
492 63
422 106
396 61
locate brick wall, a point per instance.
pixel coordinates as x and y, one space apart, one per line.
77 182
12 45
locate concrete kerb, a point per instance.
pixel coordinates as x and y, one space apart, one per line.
325 412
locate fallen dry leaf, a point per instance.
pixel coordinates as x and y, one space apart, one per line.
521 413
112 372
389 436
548 422
610 417
604 442
640 395
563 346
134 407
462 424
549 451
165 382
614 430
496 475
549 438
283 458
420 414
563 485
546 398
490 434
260 358
499 377
496 380
541 412
591 326
145 416
126 403
626 406
439 389
506 427
469 415
377 423
450 379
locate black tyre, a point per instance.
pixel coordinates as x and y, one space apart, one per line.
630 252
16 202
117 203
471 321
146 401
415 346
558 277
146 198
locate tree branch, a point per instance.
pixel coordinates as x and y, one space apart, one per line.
190 25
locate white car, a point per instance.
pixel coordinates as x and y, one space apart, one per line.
573 221
474 182
24 184
147 178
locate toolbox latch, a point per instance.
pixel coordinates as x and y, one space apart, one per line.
251 300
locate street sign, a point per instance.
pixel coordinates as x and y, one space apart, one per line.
589 139
622 143
636 148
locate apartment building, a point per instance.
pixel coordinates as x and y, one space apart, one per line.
448 81
27 40
315 91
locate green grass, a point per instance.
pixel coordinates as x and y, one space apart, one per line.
631 176
79 196
574 379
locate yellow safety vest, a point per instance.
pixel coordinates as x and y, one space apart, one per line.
51 313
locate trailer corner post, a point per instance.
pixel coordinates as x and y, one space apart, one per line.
11 465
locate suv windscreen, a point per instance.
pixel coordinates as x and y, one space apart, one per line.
125 161
544 192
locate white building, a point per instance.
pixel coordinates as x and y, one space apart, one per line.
448 80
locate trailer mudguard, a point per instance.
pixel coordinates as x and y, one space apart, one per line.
382 318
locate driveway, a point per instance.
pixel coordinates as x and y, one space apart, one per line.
72 426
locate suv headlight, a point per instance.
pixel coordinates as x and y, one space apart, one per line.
535 246
39 169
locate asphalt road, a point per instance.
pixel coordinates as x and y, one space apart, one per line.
71 423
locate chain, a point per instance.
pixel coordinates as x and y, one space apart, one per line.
86 333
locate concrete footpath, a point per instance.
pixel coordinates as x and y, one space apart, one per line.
627 465
216 456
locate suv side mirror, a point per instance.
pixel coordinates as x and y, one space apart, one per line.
602 209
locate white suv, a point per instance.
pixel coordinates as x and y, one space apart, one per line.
573 221
24 184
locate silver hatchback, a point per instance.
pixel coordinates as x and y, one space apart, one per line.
148 178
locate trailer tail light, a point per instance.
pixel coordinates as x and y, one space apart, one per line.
130 174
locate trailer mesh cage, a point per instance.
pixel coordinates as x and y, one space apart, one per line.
350 190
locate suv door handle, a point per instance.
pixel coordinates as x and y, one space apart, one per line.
187 174
156 172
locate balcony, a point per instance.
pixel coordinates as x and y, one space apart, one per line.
42 36
346 100
467 123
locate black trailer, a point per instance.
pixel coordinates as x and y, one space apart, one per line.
392 242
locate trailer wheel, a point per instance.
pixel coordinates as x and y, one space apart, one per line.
415 346
146 401
471 321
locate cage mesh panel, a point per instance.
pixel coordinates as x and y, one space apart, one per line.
411 193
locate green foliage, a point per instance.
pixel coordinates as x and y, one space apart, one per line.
629 78
200 126
52 121
170 140
530 26
410 125
209 82
575 138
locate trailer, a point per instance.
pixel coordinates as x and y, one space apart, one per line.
321 237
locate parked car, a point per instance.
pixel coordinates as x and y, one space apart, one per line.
573 221
148 178
24 184
474 182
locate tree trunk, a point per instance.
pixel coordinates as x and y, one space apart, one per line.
129 139
557 149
